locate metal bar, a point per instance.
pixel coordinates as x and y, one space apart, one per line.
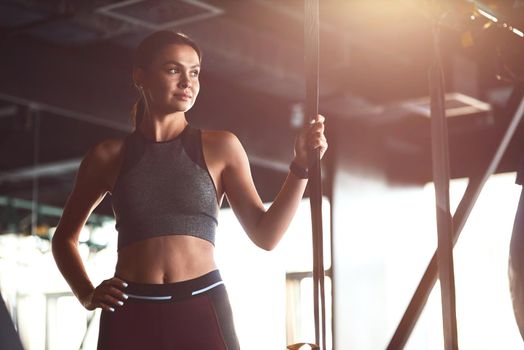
41 170
64 112
8 111
46 210
441 178
108 11
475 185
307 274
71 165
36 154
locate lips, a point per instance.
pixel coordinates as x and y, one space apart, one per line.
183 96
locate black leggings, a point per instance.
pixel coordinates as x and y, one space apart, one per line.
193 314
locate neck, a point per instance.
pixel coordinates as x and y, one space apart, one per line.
162 128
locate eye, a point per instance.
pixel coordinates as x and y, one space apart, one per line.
195 73
174 70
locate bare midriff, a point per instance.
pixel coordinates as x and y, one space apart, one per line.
165 259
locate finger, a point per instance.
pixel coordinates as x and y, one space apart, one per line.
106 307
318 132
314 140
117 293
319 118
111 301
118 282
315 123
317 143
316 119
316 128
313 144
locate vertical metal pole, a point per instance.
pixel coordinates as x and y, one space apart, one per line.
35 114
441 178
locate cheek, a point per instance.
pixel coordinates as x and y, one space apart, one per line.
160 93
160 85
196 87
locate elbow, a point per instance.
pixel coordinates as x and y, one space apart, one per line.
267 246
264 237
56 240
59 243
55 245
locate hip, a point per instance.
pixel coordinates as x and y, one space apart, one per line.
195 313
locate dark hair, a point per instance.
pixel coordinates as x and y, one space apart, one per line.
144 55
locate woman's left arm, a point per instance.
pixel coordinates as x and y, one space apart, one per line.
266 227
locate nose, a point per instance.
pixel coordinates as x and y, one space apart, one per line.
184 82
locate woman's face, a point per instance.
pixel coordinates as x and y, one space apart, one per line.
171 82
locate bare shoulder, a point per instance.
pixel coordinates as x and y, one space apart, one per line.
223 145
219 138
105 153
221 141
102 162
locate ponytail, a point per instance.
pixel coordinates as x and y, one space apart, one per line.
138 111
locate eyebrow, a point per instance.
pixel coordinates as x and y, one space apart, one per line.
179 64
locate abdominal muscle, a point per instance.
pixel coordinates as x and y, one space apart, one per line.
165 259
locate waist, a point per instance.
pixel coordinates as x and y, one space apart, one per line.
173 291
165 259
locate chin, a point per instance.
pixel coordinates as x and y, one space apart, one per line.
186 107
178 110
178 107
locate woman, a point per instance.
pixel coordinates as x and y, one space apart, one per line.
167 180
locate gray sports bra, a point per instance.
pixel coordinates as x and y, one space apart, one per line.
164 188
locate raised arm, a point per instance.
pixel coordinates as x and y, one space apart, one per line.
266 228
93 180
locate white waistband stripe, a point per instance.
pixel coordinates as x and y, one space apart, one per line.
167 297
207 288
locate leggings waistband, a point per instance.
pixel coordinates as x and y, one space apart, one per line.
176 290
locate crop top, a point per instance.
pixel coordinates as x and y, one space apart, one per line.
164 188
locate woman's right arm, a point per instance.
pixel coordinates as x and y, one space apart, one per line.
93 181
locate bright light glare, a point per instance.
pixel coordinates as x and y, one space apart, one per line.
488 15
518 32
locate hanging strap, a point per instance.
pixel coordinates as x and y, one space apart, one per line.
311 45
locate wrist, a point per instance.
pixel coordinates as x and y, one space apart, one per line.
85 295
301 161
298 170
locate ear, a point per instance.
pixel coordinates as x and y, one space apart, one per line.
138 76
